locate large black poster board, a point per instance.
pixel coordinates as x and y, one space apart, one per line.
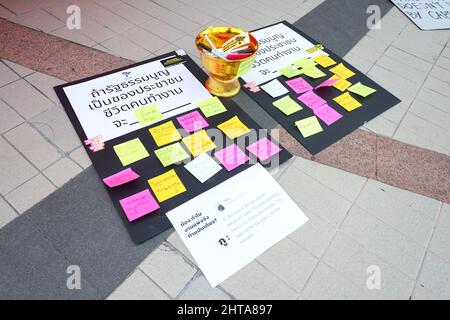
372 106
107 163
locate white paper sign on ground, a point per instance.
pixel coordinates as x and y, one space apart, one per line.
231 224
426 14
279 46
104 106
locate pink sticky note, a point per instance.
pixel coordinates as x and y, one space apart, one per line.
263 149
121 178
231 157
299 85
192 121
327 83
327 114
139 205
311 100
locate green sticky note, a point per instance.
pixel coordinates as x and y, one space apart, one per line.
290 71
171 154
245 66
211 107
361 90
309 126
314 73
131 151
148 114
304 63
287 105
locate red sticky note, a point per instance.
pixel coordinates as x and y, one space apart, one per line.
311 100
299 85
121 178
192 121
231 157
138 205
263 149
327 114
327 83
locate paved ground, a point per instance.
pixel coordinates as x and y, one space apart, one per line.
356 221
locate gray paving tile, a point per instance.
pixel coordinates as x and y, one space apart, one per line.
39 20
435 276
62 171
441 235
200 289
80 156
148 7
9 118
7 213
162 30
145 39
125 48
20 70
7 75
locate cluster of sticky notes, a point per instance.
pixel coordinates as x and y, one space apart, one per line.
290 71
166 185
327 114
287 105
203 167
308 68
362 90
212 106
347 102
192 121
165 133
120 178
299 85
231 157
131 151
275 88
148 114
311 100
233 128
138 205
309 126
199 142
264 149
171 154
327 83
324 60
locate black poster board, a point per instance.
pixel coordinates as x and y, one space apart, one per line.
107 163
373 105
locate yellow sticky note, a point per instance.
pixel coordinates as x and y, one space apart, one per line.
314 73
211 107
309 126
342 71
316 48
287 105
341 84
233 128
167 185
171 154
149 114
361 90
347 102
198 143
165 133
131 151
324 60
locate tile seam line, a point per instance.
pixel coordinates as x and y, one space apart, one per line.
68 43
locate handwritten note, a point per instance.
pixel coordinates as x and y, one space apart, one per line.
324 60
233 128
290 71
314 73
166 185
347 102
341 84
131 151
299 85
362 90
171 154
311 100
165 133
287 105
198 143
327 114
304 63
327 83
342 71
231 157
212 106
203 167
309 126
275 88
264 149
138 205
148 115
120 178
192 121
